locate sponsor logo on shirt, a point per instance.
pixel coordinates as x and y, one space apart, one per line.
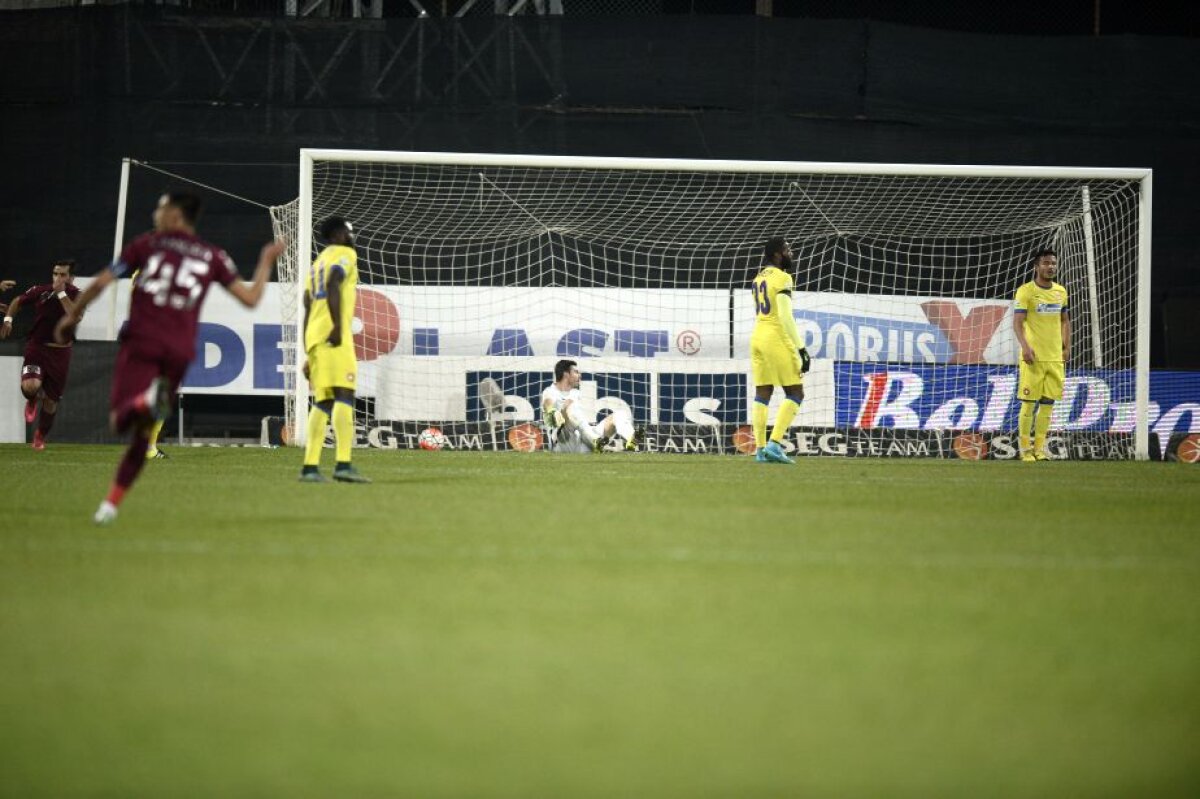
1049 307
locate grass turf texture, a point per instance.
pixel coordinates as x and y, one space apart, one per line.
525 625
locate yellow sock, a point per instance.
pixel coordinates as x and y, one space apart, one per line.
1025 425
783 419
152 447
343 430
317 419
1040 426
758 418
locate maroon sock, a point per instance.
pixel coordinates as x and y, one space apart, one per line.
135 458
46 421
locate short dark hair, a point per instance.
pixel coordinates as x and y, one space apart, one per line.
561 368
69 263
333 225
188 204
773 247
1037 256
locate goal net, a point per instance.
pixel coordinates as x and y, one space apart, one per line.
480 272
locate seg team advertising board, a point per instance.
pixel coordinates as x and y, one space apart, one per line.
679 360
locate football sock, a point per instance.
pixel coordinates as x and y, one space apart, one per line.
783 419
758 418
343 429
46 421
1041 424
318 418
130 466
1025 425
115 494
154 431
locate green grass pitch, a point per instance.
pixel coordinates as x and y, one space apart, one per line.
503 624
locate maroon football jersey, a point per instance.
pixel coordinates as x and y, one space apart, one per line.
48 309
174 271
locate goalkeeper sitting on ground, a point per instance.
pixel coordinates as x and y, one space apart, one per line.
567 424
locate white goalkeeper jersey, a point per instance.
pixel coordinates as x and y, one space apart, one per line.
553 395
565 438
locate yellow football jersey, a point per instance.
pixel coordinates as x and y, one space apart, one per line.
1043 309
333 258
768 283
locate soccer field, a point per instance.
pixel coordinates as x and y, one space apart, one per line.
504 624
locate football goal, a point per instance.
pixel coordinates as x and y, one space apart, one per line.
479 272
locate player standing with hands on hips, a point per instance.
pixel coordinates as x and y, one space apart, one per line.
175 269
1043 331
778 356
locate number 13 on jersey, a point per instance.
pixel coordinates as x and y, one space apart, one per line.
762 299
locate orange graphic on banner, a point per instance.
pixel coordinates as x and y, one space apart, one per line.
525 438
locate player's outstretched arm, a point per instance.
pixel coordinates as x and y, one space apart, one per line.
6 328
249 296
75 312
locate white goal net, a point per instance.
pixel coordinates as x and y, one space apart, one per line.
481 269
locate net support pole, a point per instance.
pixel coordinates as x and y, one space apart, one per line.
1089 254
118 238
303 251
1141 436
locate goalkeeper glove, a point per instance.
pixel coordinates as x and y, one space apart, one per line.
805 361
552 417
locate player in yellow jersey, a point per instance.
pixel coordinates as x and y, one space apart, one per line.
1043 331
777 353
330 366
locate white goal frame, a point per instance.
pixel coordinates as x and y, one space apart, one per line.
1144 177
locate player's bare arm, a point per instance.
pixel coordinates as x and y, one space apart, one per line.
71 318
13 308
67 304
250 296
333 290
1019 332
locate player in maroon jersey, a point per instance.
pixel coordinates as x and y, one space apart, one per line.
47 362
175 268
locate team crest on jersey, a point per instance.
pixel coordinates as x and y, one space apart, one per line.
350 377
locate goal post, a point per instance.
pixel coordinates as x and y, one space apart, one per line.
485 269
